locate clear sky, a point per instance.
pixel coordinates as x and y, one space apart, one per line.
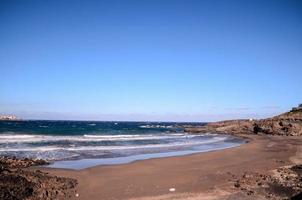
164 60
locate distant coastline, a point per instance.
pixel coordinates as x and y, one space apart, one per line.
9 118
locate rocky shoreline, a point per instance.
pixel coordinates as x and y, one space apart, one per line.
288 124
18 181
285 182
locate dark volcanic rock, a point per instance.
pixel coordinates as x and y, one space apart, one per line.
17 183
12 162
289 123
13 186
282 183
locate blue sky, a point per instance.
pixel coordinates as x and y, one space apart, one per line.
150 60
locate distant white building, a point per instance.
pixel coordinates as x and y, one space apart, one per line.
297 108
8 117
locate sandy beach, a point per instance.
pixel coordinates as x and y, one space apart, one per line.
210 175
150 100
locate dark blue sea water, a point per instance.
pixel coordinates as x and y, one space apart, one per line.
110 141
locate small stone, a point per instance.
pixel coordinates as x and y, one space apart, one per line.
237 185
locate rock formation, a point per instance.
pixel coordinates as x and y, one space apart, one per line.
289 123
18 182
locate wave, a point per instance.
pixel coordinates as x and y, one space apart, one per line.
16 136
10 138
56 148
112 148
111 136
156 126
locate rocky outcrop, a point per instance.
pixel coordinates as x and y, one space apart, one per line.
19 182
281 183
289 123
13 162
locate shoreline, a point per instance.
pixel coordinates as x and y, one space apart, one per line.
85 163
206 175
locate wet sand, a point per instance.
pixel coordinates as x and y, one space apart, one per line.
198 176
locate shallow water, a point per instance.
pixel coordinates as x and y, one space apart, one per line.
86 163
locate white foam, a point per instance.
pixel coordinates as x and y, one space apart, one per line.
111 148
13 138
155 126
44 148
111 136
16 136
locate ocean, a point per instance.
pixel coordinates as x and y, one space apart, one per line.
80 144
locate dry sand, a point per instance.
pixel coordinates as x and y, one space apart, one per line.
198 176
